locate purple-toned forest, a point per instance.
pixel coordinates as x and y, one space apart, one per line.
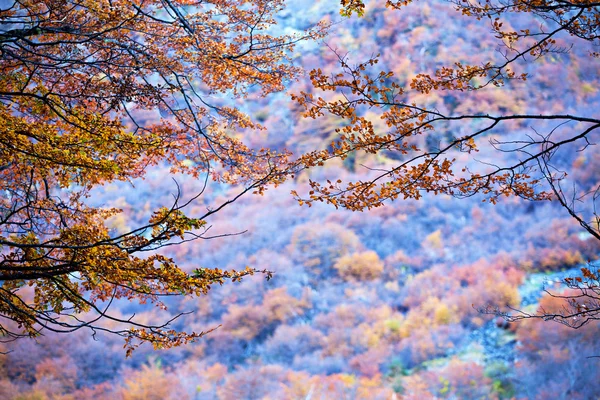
385 303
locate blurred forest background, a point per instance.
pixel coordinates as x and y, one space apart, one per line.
380 304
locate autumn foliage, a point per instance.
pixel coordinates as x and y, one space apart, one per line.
95 92
104 101
389 115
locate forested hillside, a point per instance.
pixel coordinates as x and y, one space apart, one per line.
380 304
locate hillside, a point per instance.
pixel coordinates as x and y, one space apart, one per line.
380 304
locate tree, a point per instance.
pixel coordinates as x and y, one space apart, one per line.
99 91
490 152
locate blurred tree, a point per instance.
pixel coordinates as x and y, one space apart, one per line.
97 91
151 382
556 360
319 246
359 266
